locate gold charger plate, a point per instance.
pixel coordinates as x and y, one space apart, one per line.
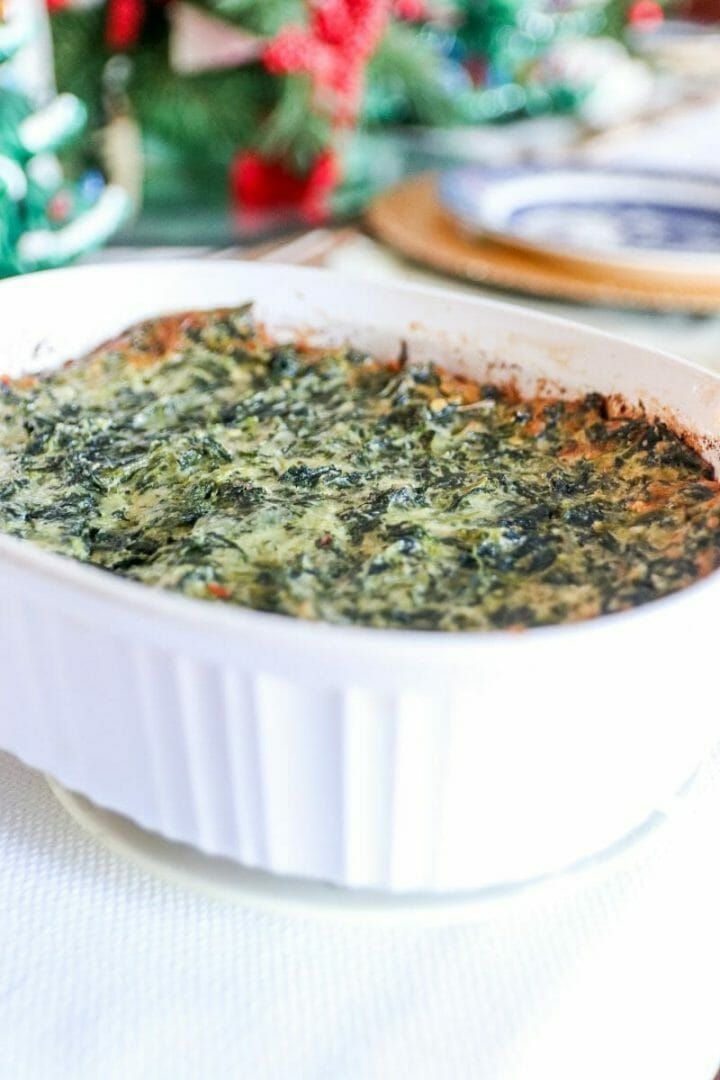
410 219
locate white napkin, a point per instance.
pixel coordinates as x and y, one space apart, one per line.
680 141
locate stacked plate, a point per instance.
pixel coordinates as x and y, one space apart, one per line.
607 220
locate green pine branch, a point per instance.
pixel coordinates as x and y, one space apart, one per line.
294 130
405 82
264 17
210 115
80 57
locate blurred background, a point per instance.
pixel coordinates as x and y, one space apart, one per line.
238 126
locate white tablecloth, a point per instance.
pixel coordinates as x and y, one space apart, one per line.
106 971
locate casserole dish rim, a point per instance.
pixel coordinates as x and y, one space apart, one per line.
228 617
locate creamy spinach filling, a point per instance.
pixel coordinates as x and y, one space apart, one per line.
195 454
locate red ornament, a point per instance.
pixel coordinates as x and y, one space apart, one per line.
261 186
125 19
59 208
645 14
322 181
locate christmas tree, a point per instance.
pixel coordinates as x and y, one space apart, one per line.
268 93
44 221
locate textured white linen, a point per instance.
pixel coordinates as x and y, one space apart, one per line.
106 971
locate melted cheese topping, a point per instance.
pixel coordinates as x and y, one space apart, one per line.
192 453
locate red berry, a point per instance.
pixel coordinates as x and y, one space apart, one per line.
645 14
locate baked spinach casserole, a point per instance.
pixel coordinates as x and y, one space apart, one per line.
195 453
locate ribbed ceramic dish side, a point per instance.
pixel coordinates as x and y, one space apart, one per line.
399 787
387 760
337 784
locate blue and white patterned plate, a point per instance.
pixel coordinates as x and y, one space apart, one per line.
633 220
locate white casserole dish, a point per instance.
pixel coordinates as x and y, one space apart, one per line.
395 760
